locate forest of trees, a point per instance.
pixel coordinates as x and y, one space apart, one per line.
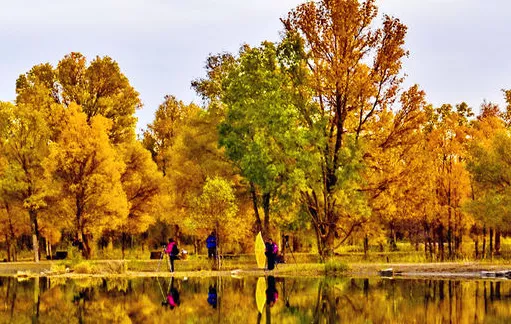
314 136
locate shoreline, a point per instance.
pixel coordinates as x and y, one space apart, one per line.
436 270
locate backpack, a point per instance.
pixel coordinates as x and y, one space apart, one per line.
275 249
175 250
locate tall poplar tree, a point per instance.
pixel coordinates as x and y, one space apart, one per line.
355 76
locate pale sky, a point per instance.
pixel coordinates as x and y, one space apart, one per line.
459 49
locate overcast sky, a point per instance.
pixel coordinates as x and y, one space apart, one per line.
459 49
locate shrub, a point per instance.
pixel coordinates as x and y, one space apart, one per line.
58 268
116 267
333 265
84 267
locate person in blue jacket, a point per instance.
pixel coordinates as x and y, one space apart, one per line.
211 245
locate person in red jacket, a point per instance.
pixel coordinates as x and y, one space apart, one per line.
172 251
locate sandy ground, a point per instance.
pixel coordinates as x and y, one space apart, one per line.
467 270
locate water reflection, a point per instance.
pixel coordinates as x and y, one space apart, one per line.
212 296
171 298
254 300
271 292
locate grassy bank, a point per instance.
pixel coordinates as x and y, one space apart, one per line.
202 267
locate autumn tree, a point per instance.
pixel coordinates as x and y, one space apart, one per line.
85 173
354 75
143 185
100 88
183 141
14 220
38 89
395 164
160 139
447 141
25 146
161 133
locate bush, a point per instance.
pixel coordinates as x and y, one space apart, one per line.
84 267
107 267
58 268
333 266
112 267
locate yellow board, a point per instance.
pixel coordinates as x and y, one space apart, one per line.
259 251
260 294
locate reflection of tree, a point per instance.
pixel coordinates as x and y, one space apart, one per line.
37 295
309 300
10 283
326 303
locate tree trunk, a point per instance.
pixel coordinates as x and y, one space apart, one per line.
253 194
86 252
319 242
497 242
218 246
123 244
8 247
327 241
35 234
483 250
425 247
476 247
266 209
491 243
393 238
10 238
366 245
449 235
441 243
49 251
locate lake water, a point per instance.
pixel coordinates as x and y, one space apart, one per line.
254 300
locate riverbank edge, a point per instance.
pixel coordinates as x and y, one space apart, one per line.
448 270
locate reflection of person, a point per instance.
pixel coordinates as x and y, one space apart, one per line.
84 294
211 245
172 299
271 293
172 251
271 253
212 296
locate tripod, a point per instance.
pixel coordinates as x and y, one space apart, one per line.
286 245
162 255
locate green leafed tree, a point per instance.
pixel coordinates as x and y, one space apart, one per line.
259 128
215 208
489 162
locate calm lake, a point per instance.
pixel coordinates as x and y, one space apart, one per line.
254 300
